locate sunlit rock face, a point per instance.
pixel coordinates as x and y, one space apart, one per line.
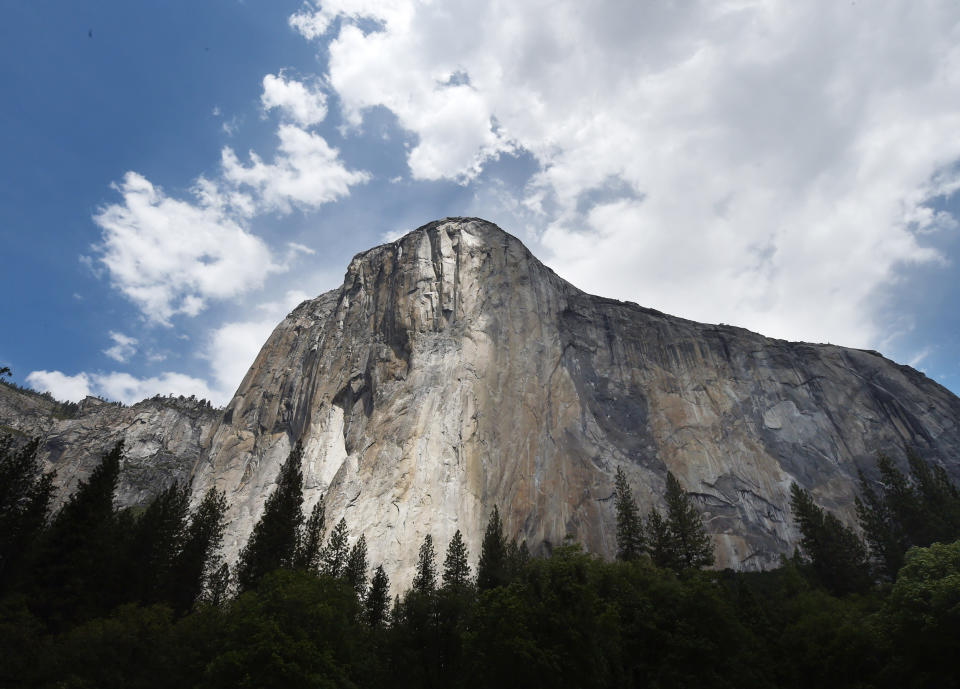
452 372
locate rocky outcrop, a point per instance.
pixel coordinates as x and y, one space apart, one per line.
163 437
452 372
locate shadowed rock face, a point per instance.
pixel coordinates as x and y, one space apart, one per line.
452 372
163 438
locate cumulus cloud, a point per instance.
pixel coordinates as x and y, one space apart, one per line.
774 161
295 99
129 389
118 386
307 172
60 385
170 256
123 347
233 346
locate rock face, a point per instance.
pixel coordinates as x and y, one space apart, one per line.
452 372
163 437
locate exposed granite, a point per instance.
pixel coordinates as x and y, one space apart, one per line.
453 371
163 438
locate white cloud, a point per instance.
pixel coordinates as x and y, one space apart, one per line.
60 385
295 99
123 347
307 172
234 346
122 387
170 256
775 160
130 389
297 248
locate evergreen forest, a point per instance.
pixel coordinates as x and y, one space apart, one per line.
96 596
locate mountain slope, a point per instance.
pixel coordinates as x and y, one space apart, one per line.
452 372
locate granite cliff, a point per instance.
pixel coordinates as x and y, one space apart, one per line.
452 371
163 437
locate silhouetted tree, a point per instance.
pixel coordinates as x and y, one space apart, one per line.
837 557
311 540
273 543
630 543
25 495
492 567
692 546
356 568
217 588
425 580
378 598
914 509
77 572
333 558
456 569
155 540
197 567
659 543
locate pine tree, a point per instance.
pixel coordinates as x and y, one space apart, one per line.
425 580
198 565
25 495
659 543
492 567
909 510
378 598
517 557
356 568
939 501
333 558
881 530
216 590
456 569
273 543
837 556
77 572
310 542
630 543
692 546
156 539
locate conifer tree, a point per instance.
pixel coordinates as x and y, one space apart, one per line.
456 569
311 540
425 581
378 598
517 557
659 544
883 533
333 558
492 567
692 546
837 557
77 572
909 510
25 495
155 541
273 543
356 568
630 543
216 590
198 567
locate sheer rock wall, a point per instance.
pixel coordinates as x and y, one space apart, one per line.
452 372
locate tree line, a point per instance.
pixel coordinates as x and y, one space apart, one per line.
96 596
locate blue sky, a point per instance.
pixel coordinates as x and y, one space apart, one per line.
178 175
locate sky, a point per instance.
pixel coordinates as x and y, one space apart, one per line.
177 176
